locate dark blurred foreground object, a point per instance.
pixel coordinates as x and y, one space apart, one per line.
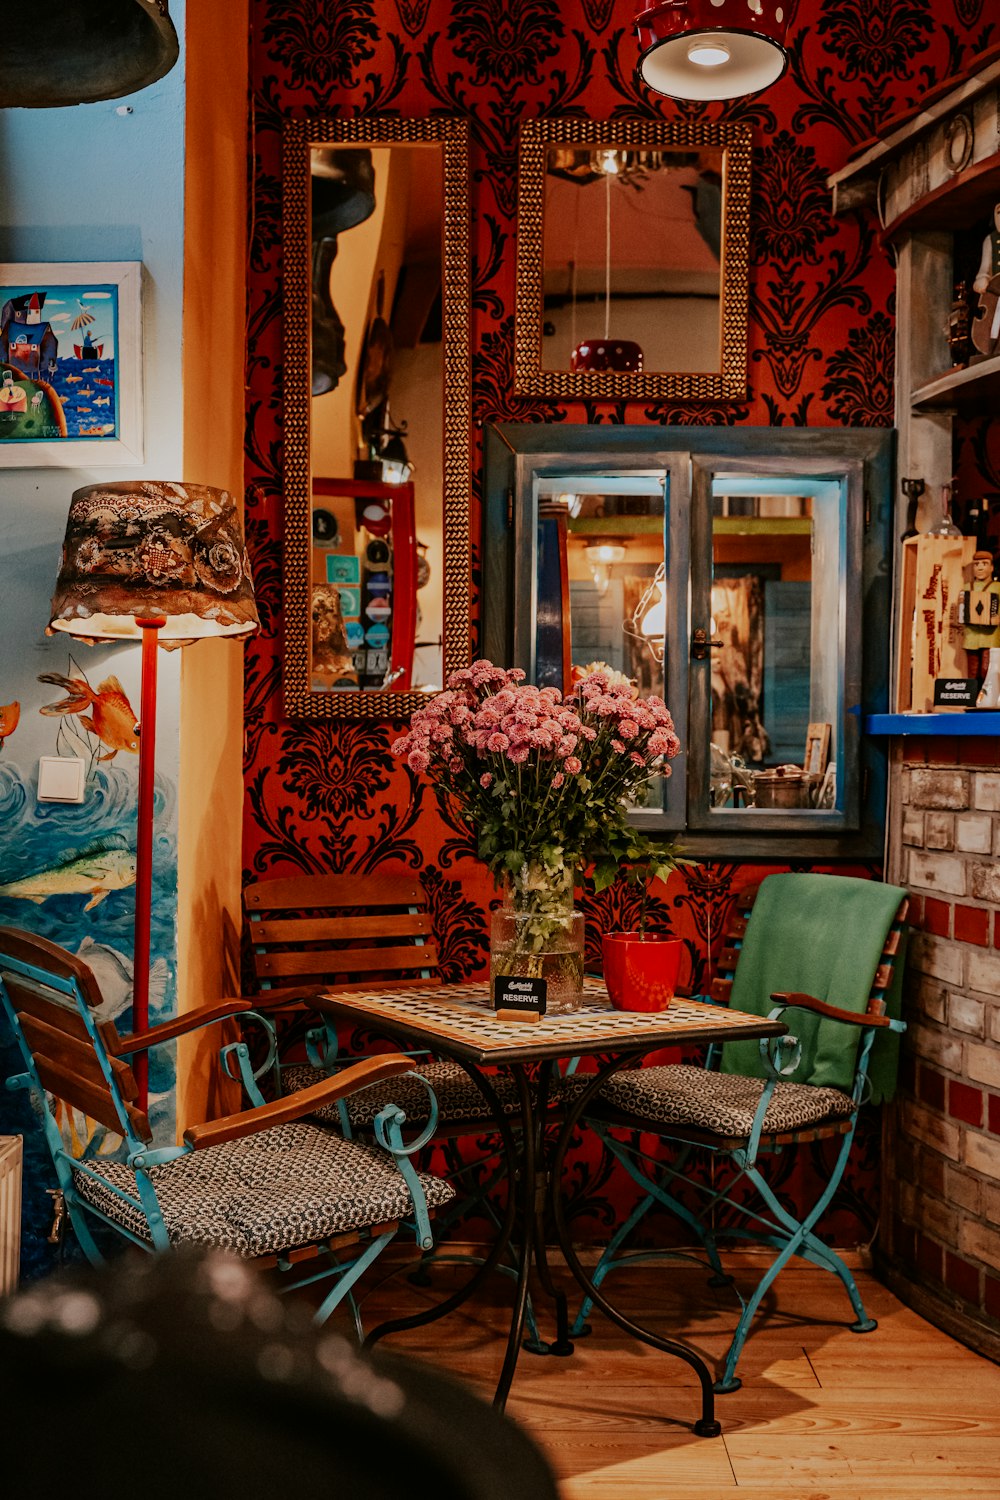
188 1375
67 52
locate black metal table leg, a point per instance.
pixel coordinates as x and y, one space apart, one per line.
500 1244
707 1425
561 1345
526 1181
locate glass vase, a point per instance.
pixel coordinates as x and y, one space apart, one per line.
537 934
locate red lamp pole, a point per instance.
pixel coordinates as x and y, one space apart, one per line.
151 625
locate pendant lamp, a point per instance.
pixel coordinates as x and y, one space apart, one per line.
712 49
80 51
603 354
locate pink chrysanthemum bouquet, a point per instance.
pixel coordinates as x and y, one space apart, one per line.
546 781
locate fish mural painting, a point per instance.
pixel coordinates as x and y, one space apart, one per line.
10 714
109 865
112 718
113 972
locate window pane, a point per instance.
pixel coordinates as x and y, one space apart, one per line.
600 570
775 607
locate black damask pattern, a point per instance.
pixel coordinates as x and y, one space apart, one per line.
859 389
460 927
790 215
320 46
506 42
876 39
336 770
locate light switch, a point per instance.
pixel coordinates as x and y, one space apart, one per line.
61 778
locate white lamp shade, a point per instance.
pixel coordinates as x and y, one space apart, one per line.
712 49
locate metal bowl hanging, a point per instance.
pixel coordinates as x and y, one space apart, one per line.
72 53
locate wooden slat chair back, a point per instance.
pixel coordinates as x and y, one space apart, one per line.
340 931
310 933
269 1184
67 1040
739 1119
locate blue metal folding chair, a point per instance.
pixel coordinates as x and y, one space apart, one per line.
824 952
267 1184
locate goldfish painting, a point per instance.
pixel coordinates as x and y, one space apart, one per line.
112 717
107 866
10 713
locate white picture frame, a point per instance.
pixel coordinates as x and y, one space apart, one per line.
80 307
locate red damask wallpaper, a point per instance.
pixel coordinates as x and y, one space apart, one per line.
322 797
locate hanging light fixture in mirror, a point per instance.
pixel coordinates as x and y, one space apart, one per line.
648 622
712 49
601 558
76 53
607 353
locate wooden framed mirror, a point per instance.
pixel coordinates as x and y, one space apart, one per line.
632 256
376 413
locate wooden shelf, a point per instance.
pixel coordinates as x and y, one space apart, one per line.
761 526
615 527
621 526
976 389
973 722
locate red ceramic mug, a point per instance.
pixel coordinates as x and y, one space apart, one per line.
640 970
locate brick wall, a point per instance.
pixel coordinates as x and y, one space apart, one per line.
943 1167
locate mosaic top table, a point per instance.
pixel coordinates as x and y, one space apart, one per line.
457 1021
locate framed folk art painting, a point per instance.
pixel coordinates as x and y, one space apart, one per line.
70 364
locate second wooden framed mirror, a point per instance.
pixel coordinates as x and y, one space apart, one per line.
632 257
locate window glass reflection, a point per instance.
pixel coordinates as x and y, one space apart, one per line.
774 632
600 578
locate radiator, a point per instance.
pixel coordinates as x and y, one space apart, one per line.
10 1212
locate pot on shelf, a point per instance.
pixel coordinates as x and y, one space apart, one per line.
640 969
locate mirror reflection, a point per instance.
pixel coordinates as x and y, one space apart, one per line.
774 628
600 572
376 421
631 259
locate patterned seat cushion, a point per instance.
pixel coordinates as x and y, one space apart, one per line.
721 1102
457 1096
292 1185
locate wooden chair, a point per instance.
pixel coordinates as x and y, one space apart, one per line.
268 1183
310 933
823 952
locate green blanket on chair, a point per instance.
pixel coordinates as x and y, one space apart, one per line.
822 935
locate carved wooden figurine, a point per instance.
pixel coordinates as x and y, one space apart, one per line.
979 614
986 323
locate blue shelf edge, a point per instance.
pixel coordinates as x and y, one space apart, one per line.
977 722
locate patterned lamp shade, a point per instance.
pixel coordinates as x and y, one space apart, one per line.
153 547
712 49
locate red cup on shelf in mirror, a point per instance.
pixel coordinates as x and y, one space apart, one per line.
640 970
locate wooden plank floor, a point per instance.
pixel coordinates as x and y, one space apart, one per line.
824 1414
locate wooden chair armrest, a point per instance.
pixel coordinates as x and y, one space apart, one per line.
205 1015
821 1008
294 995
294 1106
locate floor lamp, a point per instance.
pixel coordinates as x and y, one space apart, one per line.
166 563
